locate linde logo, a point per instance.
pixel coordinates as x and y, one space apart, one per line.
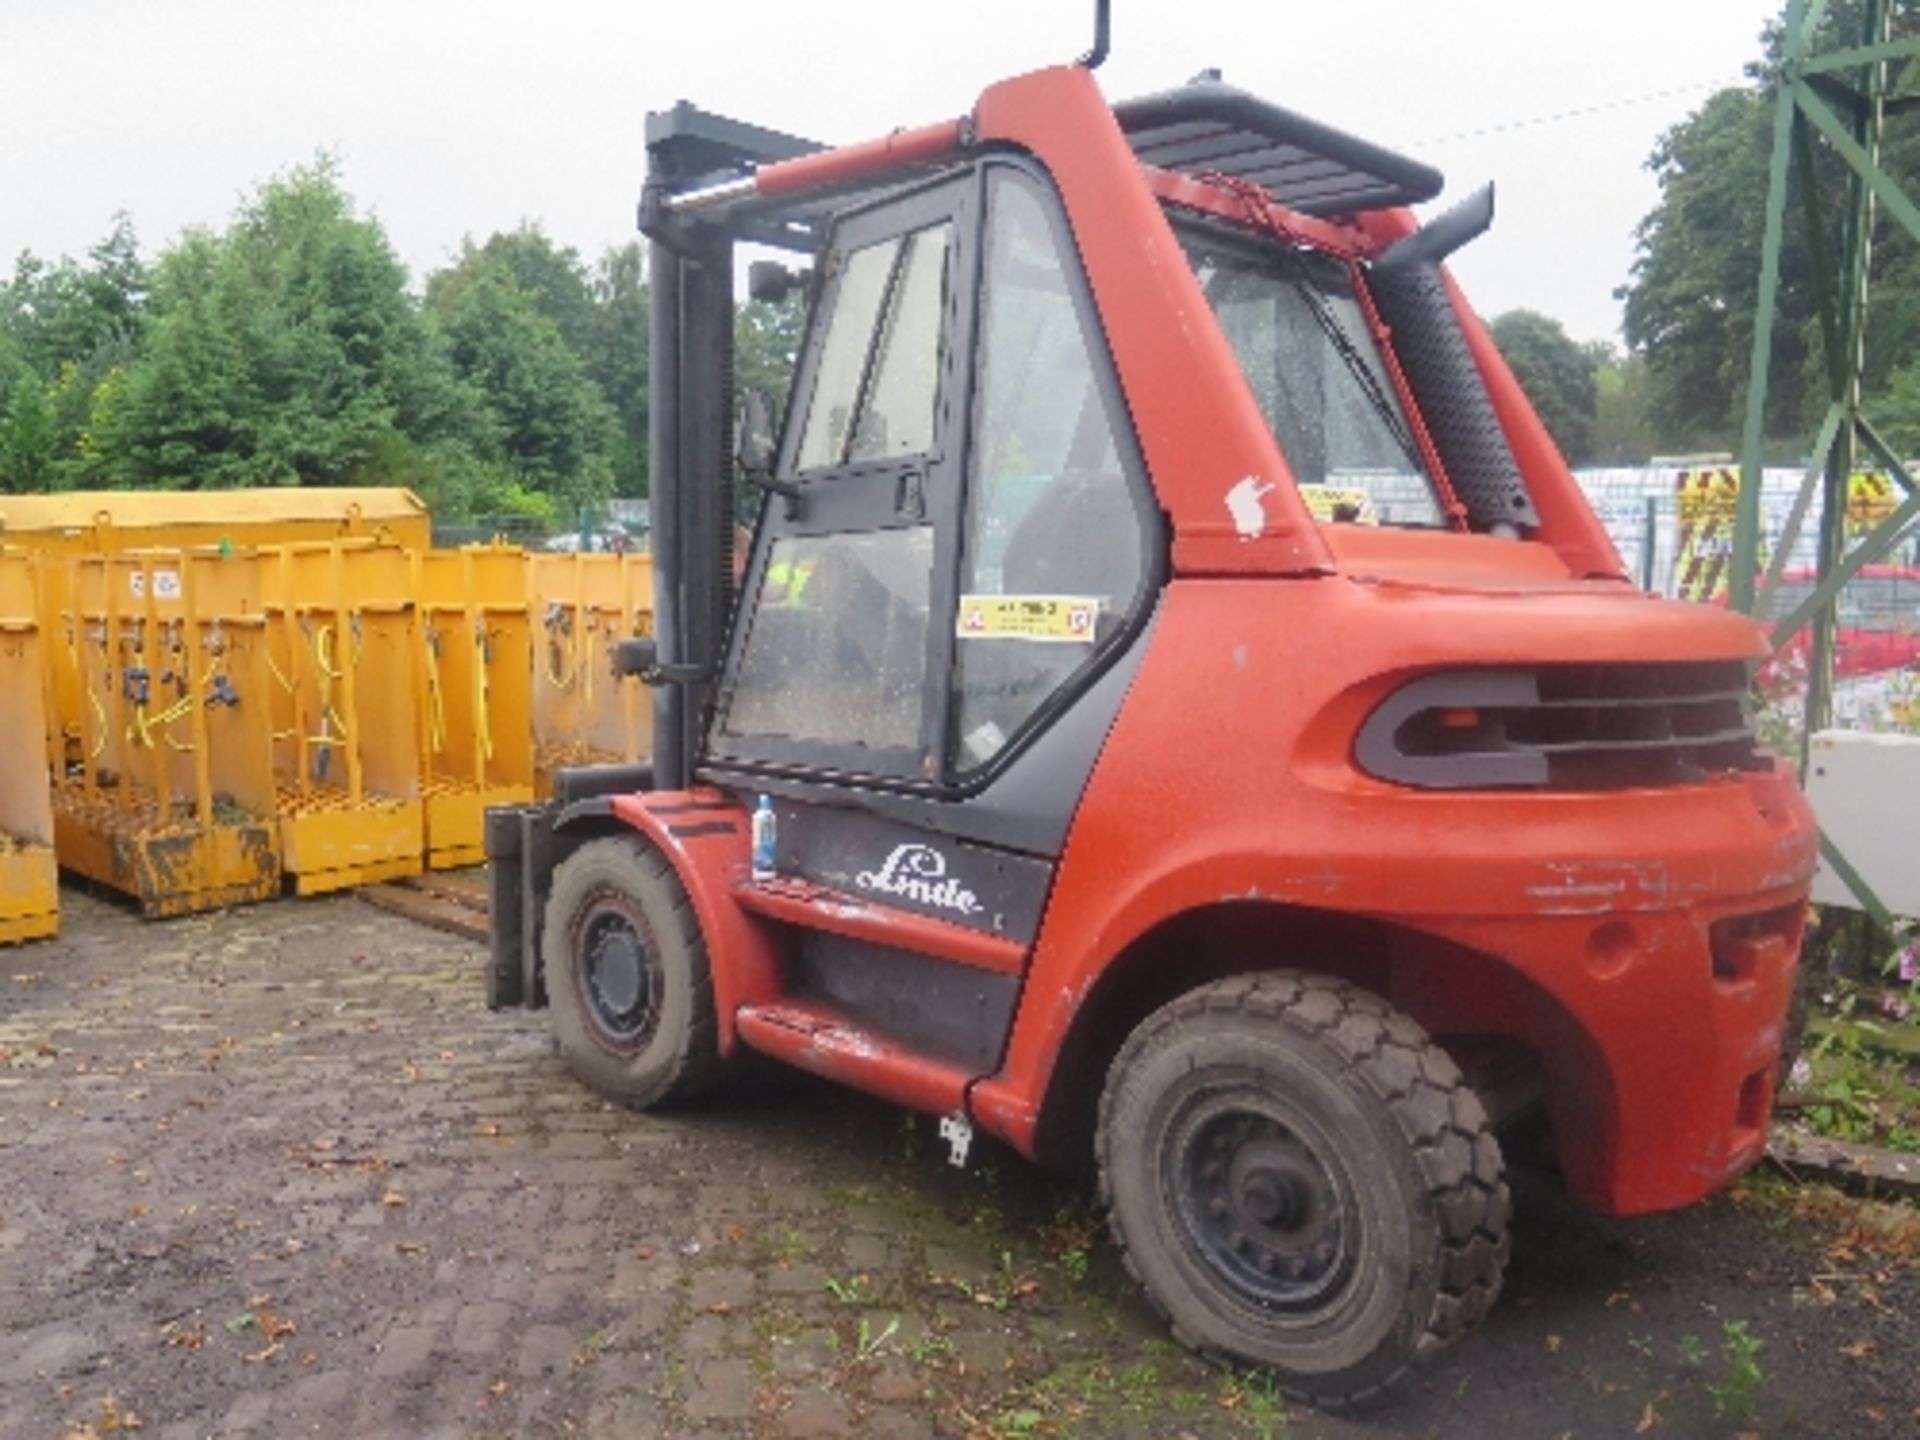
919 873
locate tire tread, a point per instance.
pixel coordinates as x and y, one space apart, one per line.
1391 1056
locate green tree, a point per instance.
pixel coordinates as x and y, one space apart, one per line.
615 357
1556 373
1623 433
542 417
549 275
26 433
283 351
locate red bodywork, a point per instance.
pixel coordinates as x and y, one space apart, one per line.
1640 943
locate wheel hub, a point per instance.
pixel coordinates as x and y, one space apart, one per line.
618 977
1261 1209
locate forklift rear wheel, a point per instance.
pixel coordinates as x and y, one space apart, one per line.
627 975
1301 1179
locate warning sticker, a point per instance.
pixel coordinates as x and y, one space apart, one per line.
1339 502
166 584
1059 618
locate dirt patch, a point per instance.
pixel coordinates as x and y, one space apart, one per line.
277 1171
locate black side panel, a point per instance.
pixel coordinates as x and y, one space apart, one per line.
846 849
1453 398
953 1012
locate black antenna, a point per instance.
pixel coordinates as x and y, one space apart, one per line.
1102 27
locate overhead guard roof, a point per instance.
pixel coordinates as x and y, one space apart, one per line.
1306 166
1195 130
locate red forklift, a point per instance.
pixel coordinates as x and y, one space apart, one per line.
1177 715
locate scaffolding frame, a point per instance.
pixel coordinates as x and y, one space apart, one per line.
1837 99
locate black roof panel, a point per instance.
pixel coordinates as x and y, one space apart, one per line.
1306 166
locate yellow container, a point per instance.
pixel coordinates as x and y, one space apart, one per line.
476 694
581 606
342 637
29 878
169 796
104 522
107 522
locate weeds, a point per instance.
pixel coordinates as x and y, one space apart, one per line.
1735 1395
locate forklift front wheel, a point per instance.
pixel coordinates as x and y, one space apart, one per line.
627 975
1301 1179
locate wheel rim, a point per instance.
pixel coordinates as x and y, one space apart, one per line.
1259 1206
619 978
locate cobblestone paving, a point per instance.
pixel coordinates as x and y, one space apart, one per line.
278 1172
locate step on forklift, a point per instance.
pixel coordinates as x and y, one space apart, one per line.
1177 715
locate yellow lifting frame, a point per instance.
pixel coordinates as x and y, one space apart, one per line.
581 606
342 630
475 697
169 638
29 877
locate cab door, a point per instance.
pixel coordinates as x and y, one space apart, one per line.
963 549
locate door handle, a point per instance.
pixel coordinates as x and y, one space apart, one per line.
910 496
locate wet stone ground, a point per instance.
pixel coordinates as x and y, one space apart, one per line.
278 1172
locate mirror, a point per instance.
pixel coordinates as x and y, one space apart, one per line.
754 443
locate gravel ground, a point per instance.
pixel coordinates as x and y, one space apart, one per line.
277 1171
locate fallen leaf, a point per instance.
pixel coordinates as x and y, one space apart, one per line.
1554 1342
268 1353
410 1247
394 1199
1616 1298
498 1387
1877 1414
138 1211
275 1326
643 1252
736 1232
45 1050
190 1337
236 1323
1859 1349
1648 1419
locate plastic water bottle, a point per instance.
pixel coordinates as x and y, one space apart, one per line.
763 837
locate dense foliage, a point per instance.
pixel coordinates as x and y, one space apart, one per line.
288 349
1691 303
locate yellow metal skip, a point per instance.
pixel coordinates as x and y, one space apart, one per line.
581 607
29 878
475 696
169 796
342 633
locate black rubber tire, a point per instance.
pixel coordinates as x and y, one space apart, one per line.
674 1053
1412 1174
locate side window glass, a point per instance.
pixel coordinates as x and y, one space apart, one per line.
898 416
838 649
878 377
1053 548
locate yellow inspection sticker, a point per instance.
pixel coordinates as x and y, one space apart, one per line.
1058 618
1339 502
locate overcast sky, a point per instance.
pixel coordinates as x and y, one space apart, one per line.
460 117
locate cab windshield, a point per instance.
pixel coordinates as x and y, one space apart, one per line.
1314 367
